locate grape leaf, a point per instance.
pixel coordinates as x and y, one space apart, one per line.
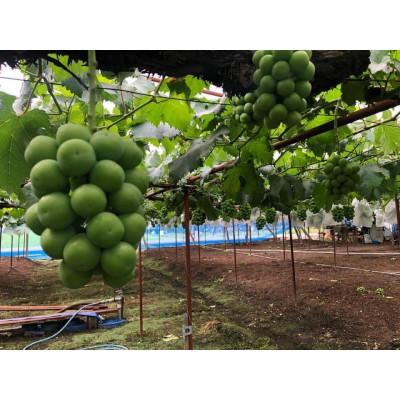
16 132
388 136
193 157
371 184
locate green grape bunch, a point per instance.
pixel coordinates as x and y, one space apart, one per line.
270 215
260 222
342 176
313 208
90 212
348 212
338 214
163 215
301 214
283 79
244 212
198 217
228 209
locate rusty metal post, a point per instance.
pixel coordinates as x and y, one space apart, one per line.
147 237
334 245
18 241
205 235
140 277
12 245
292 256
347 239
283 237
396 202
234 249
1 237
188 335
249 228
27 244
198 242
225 236
176 243
159 239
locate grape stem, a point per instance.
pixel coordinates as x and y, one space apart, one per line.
92 90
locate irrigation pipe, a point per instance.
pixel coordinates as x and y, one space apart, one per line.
54 335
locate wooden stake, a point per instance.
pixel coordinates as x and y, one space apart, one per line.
292 257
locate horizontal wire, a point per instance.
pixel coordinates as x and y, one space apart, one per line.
191 100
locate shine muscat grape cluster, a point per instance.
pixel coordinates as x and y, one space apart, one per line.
89 213
283 84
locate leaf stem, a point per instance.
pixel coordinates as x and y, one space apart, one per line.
92 90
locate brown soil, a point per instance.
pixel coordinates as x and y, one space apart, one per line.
329 312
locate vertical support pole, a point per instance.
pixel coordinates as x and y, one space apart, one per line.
24 245
140 277
249 228
225 236
347 239
189 336
176 243
234 249
159 239
18 242
334 245
12 245
309 237
283 237
396 202
198 242
205 235
147 237
292 257
1 237
27 244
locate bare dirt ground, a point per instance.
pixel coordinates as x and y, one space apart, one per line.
330 312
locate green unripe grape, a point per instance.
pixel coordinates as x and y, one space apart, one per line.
257 57
293 118
108 175
235 100
88 200
53 241
138 176
118 282
135 227
32 220
266 64
55 211
73 279
299 61
257 115
40 148
278 113
237 117
105 230
119 260
72 131
81 254
293 102
126 200
308 73
303 88
76 157
245 118
248 108
250 97
239 109
257 76
303 106
343 163
267 84
336 171
132 154
271 124
328 168
285 87
309 53
46 177
335 159
107 145
282 55
265 102
280 70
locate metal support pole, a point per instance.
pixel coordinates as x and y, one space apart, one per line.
198 242
140 277
334 245
176 243
396 202
159 240
12 245
292 256
188 335
1 238
234 249
283 237
249 227
205 235
19 238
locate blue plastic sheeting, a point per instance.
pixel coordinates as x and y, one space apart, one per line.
161 236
